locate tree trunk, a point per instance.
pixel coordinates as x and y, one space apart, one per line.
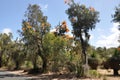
34 65
17 65
85 64
43 57
35 62
115 72
44 65
84 57
44 60
0 61
1 53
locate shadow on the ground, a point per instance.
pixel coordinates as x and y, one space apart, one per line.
110 75
46 76
56 76
4 74
10 75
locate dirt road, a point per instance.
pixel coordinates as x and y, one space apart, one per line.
6 75
19 75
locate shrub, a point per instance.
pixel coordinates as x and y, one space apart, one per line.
94 74
93 63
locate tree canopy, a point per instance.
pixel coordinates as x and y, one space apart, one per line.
82 20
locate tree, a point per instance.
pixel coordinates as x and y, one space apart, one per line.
114 62
34 27
17 53
82 19
116 16
54 46
61 29
59 43
92 57
5 39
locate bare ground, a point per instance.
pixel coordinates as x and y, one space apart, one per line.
106 75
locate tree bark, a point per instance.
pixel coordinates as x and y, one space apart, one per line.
35 62
0 61
1 53
85 58
17 65
35 65
44 65
115 72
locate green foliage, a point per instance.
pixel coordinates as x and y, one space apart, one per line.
27 65
34 27
104 53
54 46
94 74
5 40
61 29
116 53
82 19
116 16
17 54
113 62
93 63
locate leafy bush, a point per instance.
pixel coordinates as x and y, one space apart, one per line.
93 63
93 60
94 74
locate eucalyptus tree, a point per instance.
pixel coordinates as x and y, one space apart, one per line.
83 20
17 53
34 27
115 59
55 46
116 17
5 40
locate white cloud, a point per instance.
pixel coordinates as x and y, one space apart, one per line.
6 30
110 40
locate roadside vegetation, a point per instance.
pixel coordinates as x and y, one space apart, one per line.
39 50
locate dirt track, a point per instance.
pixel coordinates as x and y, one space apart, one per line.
19 75
14 75
108 74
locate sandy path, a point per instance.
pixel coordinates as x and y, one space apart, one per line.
13 75
20 75
108 74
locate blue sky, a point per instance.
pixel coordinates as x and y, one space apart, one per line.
105 33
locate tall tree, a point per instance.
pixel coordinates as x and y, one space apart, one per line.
35 26
82 19
17 53
115 59
5 39
54 46
116 17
